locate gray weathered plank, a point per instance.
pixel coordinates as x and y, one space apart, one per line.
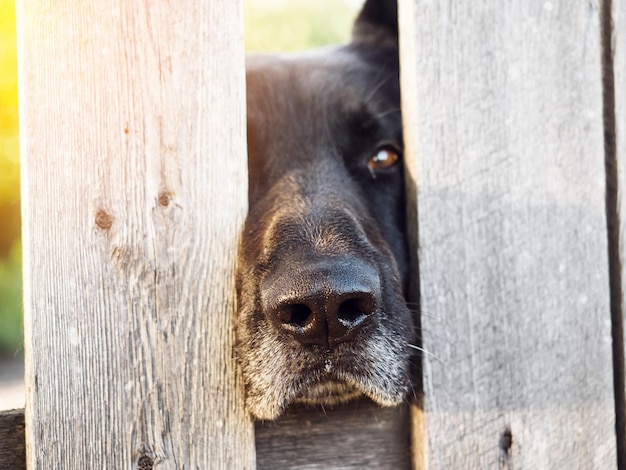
12 443
503 109
615 116
356 435
134 191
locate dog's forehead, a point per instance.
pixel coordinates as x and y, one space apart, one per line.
284 87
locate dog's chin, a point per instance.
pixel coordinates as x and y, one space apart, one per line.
328 393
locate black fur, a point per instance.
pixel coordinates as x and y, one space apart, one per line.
323 256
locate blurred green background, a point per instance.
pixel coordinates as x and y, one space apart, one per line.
10 247
270 25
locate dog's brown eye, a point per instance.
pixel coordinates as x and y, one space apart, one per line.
383 159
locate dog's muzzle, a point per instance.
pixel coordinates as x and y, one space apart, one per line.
322 318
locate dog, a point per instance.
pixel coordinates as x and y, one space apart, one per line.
322 264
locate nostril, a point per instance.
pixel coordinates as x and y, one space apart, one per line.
296 314
354 310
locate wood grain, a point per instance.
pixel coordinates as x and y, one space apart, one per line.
134 192
503 120
353 436
12 443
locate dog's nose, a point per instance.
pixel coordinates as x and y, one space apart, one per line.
325 303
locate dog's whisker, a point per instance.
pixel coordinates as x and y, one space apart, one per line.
378 85
424 313
424 351
386 113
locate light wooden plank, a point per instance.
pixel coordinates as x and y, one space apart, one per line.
615 104
503 110
356 435
134 192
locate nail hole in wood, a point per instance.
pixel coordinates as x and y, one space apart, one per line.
506 441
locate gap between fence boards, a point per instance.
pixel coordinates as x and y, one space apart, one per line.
613 226
12 440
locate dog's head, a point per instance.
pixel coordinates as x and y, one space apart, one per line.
323 261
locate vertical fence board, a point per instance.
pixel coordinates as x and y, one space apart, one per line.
503 119
134 190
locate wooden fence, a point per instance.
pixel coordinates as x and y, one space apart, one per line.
134 190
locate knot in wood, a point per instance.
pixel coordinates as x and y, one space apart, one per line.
164 198
103 220
145 462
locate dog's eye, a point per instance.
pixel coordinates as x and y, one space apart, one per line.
383 159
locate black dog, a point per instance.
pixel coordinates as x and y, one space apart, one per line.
323 258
